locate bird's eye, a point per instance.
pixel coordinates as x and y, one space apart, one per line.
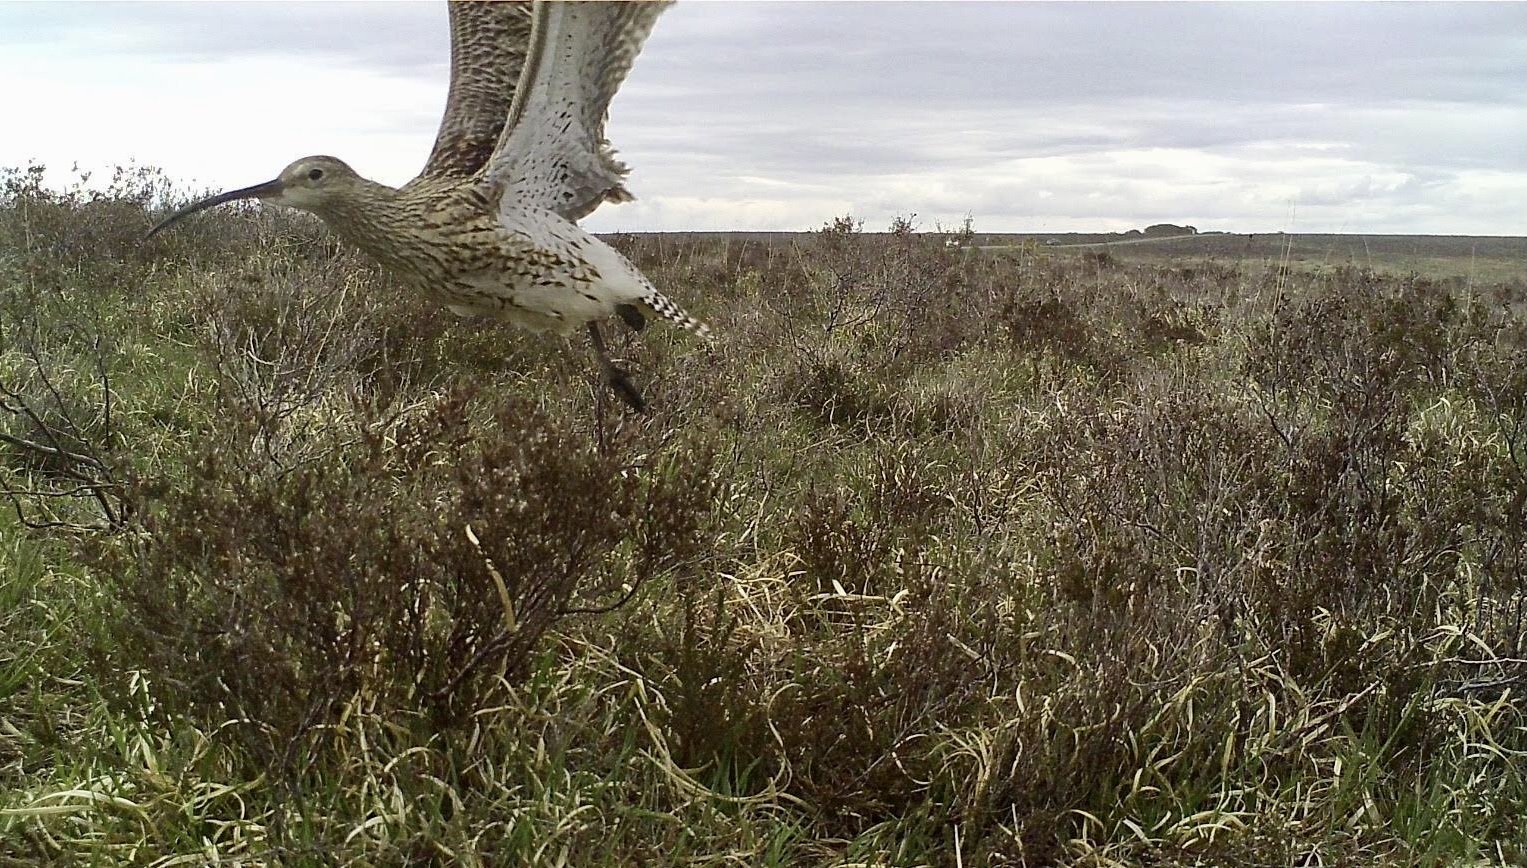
315 174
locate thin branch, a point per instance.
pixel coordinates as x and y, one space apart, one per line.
625 598
77 491
55 451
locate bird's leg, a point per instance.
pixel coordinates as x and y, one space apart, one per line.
614 377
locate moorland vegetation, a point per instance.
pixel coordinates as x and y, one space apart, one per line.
936 556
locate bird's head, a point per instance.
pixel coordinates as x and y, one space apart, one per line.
309 183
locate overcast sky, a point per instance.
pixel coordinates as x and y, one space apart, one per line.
1312 117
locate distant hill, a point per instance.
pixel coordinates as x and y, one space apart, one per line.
1489 258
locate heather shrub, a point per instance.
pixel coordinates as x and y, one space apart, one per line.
410 565
869 313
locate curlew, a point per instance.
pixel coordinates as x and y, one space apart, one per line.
489 226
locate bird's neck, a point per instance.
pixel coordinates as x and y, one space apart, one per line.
368 218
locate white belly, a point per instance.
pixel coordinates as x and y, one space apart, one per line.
548 297
537 305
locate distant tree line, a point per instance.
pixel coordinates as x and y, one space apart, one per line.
1162 230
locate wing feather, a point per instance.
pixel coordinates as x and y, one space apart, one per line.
553 153
489 43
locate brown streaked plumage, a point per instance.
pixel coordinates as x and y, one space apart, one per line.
487 226
489 41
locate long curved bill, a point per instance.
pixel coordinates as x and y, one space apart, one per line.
258 191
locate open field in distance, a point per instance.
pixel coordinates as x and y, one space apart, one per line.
1485 258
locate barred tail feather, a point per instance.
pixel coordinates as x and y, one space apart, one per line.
665 307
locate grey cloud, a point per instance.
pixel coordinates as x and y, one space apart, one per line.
836 85
851 99
401 38
979 53
970 54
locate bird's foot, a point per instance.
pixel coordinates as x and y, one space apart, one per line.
614 377
621 385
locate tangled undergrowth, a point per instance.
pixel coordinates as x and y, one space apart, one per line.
938 557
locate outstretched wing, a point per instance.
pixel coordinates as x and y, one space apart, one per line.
553 153
489 42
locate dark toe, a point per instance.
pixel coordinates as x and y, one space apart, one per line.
621 385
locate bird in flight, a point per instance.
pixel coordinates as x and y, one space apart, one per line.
488 227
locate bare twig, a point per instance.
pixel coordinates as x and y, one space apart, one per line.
72 450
